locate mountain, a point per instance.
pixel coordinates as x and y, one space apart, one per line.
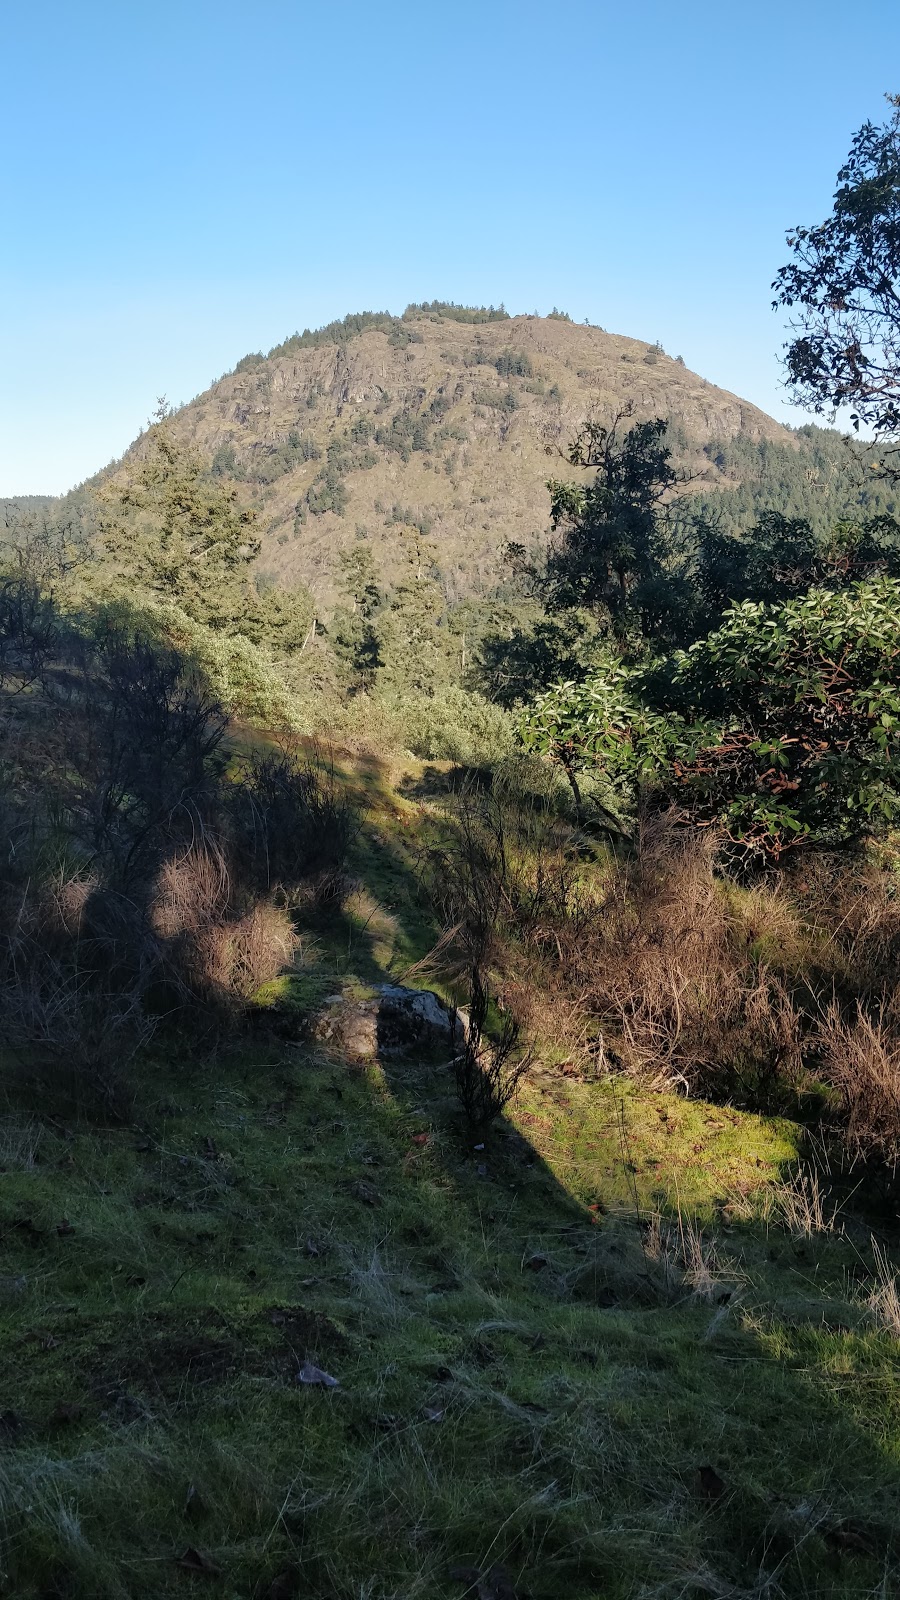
430 435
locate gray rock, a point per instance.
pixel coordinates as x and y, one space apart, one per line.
350 1026
395 1021
416 1018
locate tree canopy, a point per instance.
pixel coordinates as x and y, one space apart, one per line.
843 283
782 727
180 534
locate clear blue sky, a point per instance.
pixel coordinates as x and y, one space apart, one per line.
186 181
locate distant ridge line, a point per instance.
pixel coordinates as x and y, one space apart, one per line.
356 322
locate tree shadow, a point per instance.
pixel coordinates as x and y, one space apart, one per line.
784 1467
742 1414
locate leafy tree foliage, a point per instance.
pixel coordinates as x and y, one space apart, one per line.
328 492
338 332
808 697
353 631
843 283
407 432
616 555
281 618
455 313
782 726
514 364
350 327
822 475
600 726
412 644
526 652
641 566
782 557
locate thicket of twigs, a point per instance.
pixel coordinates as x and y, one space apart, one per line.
784 996
145 882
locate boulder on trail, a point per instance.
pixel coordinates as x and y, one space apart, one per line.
393 1021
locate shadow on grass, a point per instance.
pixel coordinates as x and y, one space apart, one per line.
543 1362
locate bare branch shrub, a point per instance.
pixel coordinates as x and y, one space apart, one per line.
290 828
74 1034
29 630
861 1058
20 1141
215 950
488 1071
481 885
662 965
139 731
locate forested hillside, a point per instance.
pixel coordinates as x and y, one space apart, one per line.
449 1006
430 437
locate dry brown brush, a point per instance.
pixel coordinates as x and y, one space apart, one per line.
143 884
637 962
664 969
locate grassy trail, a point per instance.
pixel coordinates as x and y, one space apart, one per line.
590 1360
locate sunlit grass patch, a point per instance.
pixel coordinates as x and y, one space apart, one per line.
607 1143
601 1353
516 1383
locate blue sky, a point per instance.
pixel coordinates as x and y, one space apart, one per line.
185 182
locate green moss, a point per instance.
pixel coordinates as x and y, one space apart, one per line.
297 993
531 1370
551 1416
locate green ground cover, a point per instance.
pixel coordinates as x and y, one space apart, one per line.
599 1358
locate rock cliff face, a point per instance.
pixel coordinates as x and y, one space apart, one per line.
434 440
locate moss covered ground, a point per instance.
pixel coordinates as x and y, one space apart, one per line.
589 1360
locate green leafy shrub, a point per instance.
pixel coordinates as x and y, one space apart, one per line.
454 725
781 727
808 700
241 674
600 726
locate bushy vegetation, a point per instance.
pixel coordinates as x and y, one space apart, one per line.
456 313
349 327
146 884
779 996
776 723
633 815
823 478
338 332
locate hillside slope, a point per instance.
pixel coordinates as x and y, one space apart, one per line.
430 437
335 1351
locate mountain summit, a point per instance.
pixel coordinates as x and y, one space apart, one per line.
436 433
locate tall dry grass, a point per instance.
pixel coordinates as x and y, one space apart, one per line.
142 884
860 1058
662 966
216 948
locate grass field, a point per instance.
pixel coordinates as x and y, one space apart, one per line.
616 1353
